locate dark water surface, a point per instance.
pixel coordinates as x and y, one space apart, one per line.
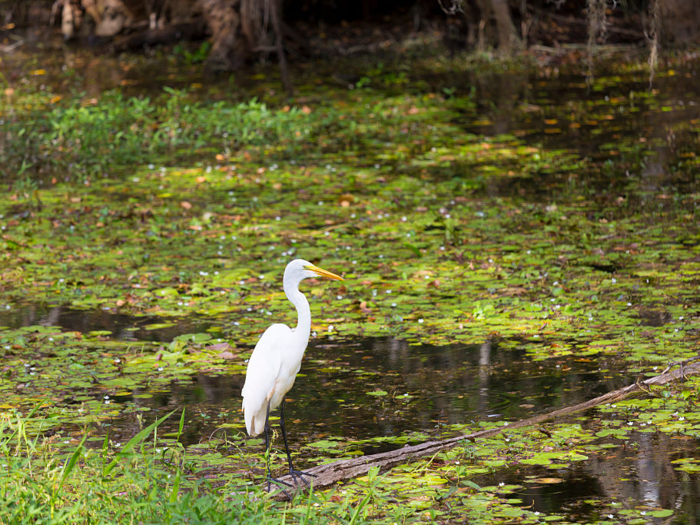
333 397
639 473
123 327
427 387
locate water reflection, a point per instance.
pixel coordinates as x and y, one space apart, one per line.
641 139
427 387
452 384
361 389
121 326
562 112
638 473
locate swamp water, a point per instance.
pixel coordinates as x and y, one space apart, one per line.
640 473
379 394
361 389
364 395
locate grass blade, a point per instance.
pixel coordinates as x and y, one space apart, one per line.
133 441
67 469
182 425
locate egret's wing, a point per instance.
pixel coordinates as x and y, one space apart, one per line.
263 368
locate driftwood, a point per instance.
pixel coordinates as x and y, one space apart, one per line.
11 47
332 473
608 28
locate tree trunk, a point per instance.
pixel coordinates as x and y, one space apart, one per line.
506 35
275 8
224 21
508 38
114 16
484 26
238 28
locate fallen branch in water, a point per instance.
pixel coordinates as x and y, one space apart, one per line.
331 473
11 47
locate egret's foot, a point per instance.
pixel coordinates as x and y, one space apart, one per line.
299 475
280 484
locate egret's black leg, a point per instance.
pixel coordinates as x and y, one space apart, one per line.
267 446
294 473
270 479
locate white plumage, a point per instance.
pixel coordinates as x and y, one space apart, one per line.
276 359
269 376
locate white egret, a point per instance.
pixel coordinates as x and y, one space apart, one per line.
276 360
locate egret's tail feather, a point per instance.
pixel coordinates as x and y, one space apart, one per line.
254 419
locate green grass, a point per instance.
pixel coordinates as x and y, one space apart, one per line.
144 482
149 480
88 137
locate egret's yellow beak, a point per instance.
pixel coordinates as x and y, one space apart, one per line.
323 273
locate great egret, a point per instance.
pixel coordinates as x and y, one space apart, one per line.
276 360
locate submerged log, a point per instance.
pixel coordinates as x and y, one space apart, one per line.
332 473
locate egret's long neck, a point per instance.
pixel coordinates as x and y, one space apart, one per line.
298 299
